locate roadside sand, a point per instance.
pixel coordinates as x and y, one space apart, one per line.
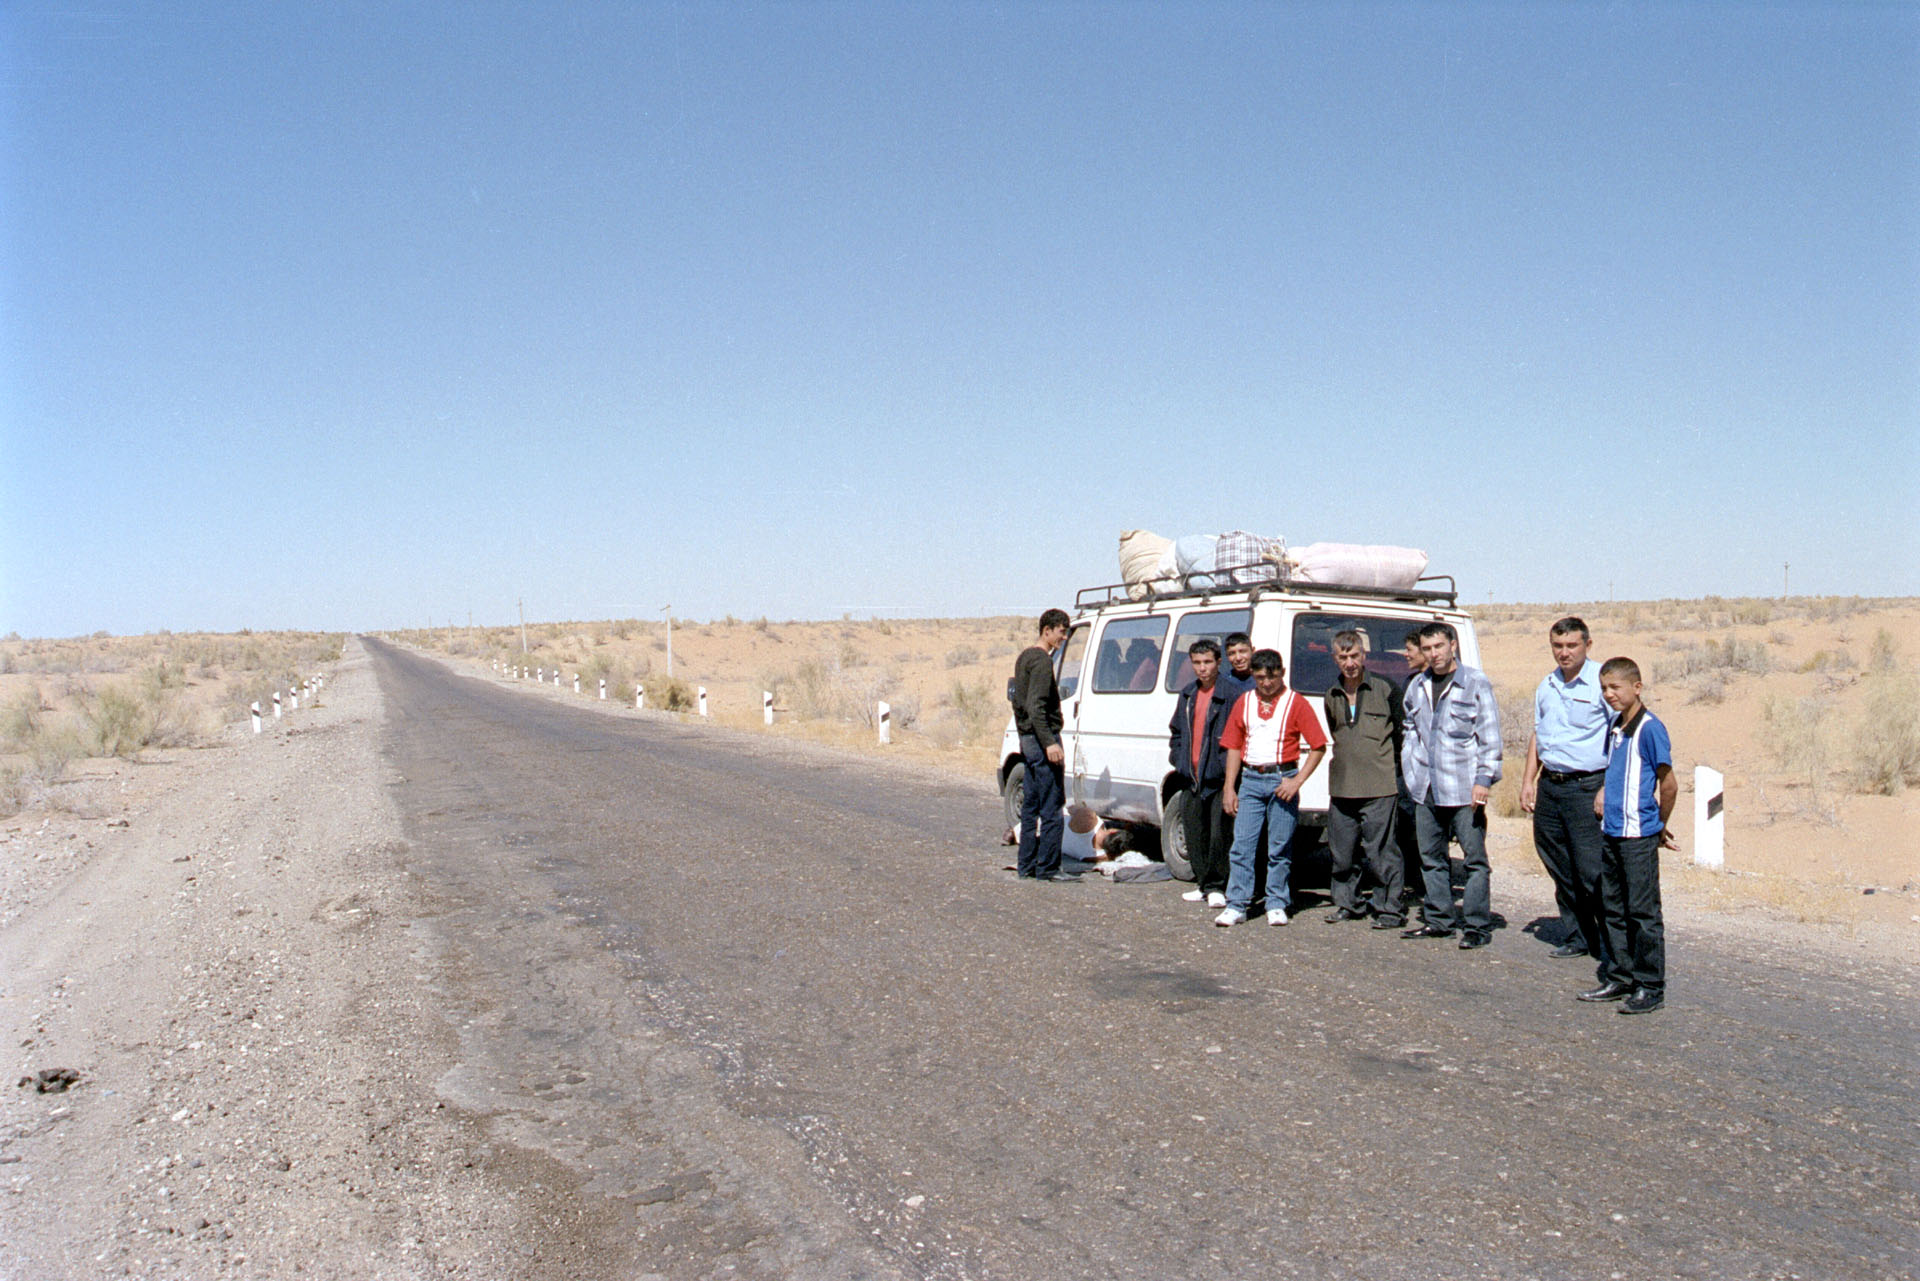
220 948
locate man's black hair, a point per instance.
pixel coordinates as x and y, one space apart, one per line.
1118 842
1236 638
1054 618
1438 628
1205 645
1569 625
1268 660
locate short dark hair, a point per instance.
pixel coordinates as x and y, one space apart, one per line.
1118 842
1237 638
1348 638
1568 626
1438 628
1268 660
1205 645
1413 639
1054 618
1621 667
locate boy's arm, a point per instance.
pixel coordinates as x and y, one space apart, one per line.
1230 792
1668 789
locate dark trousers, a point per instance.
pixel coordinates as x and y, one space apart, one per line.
1042 798
1358 829
1406 835
1630 892
1566 834
1466 824
1208 839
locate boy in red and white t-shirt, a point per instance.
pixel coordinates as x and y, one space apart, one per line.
1273 743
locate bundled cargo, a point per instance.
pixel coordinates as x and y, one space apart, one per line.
1357 565
1146 563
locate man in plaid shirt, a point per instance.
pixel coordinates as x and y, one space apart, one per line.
1451 762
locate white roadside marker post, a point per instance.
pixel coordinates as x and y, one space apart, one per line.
885 720
766 704
603 689
1709 817
276 704
540 675
256 716
556 678
576 682
639 697
703 700
294 696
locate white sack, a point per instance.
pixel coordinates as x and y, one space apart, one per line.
1357 565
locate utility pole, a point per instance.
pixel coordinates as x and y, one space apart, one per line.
1786 571
668 611
523 625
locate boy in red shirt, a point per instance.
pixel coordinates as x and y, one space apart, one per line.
1265 736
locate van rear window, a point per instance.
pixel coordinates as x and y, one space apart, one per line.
1311 669
1128 658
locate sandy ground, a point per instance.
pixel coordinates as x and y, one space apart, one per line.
214 944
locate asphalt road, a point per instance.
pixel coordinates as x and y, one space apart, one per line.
781 1014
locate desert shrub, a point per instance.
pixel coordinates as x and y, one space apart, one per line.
962 656
671 694
1800 735
21 720
116 721
1884 656
1707 687
1883 743
1757 612
1505 800
1822 660
981 709
1516 721
906 711
1730 655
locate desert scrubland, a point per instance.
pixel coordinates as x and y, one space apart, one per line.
1809 705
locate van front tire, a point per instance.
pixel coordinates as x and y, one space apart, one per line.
1012 792
1173 835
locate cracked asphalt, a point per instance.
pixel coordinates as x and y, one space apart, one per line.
779 1014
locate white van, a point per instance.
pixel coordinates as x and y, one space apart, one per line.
1125 662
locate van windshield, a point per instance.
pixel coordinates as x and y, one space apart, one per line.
1311 669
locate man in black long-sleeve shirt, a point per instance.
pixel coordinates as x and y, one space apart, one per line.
1036 716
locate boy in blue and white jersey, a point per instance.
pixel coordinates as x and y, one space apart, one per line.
1633 806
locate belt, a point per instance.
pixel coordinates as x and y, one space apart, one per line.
1269 769
1572 775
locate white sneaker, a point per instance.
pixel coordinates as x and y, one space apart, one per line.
1276 916
1193 896
1232 916
1216 899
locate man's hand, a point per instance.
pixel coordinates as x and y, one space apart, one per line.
1229 802
1600 803
1289 787
1668 841
1529 793
1481 794
1054 755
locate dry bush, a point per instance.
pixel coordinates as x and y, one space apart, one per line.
1505 800
981 710
1732 655
22 719
1800 735
1516 721
962 656
670 693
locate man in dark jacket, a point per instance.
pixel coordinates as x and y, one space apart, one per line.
1194 752
1036 717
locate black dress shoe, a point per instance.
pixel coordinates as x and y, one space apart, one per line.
1470 941
1339 914
1606 992
1426 932
1645 1001
1565 950
1389 922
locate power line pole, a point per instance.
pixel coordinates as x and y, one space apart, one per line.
523 625
668 611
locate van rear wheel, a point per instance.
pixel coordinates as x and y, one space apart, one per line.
1173 835
1012 792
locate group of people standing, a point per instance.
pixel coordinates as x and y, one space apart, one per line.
1411 772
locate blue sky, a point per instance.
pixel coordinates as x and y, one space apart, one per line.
361 315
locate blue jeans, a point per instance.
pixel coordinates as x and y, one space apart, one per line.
1261 808
1042 799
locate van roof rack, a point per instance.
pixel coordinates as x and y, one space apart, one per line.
1261 577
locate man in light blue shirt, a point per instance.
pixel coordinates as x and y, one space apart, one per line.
1451 762
1566 765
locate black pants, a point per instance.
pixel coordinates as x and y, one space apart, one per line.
1209 836
1357 844
1406 836
1041 799
1566 835
1630 891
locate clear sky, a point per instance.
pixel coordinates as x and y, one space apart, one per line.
359 315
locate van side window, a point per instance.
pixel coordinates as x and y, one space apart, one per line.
1218 624
1311 669
1128 659
1072 655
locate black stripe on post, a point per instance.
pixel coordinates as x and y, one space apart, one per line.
1715 804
